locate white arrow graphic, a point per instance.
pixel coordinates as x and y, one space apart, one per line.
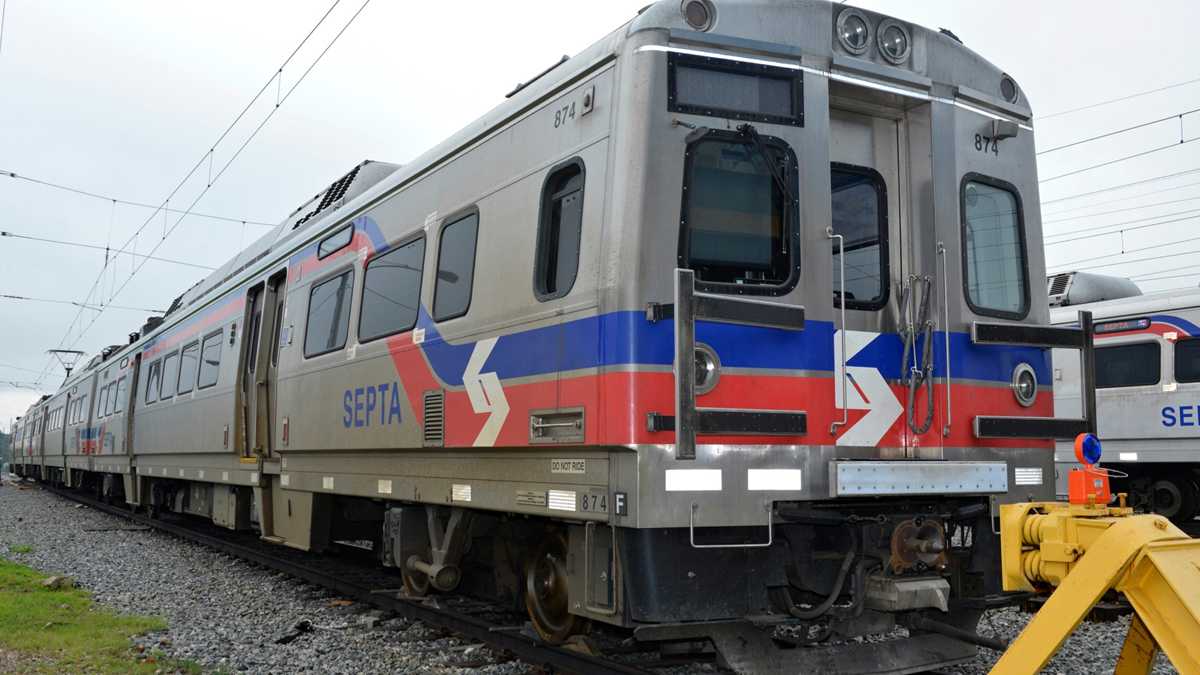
485 392
872 392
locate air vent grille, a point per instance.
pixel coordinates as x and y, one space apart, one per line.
1059 283
332 195
435 418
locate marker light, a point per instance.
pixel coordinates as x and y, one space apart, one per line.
1087 449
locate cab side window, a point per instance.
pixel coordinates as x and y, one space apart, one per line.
153 378
456 268
210 360
993 239
560 227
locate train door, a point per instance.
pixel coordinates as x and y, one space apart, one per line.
260 358
881 303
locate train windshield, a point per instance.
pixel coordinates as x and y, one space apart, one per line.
994 249
735 210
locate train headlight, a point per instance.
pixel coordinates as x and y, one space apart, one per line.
853 30
1024 384
708 368
894 41
698 13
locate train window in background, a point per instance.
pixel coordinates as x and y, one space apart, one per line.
153 377
111 404
188 363
859 200
170 375
101 401
738 221
994 248
210 360
328 315
560 227
456 268
336 241
1131 365
122 394
391 291
1187 360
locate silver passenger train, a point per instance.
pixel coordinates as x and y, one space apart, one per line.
1147 379
724 322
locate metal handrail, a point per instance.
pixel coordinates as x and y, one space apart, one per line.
941 249
841 240
692 531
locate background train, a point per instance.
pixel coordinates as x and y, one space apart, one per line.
1147 378
727 319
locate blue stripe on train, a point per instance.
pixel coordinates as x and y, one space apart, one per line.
622 338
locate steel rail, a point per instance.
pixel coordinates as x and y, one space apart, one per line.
517 643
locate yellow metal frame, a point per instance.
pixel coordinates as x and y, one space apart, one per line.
1084 550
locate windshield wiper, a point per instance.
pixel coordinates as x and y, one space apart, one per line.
751 136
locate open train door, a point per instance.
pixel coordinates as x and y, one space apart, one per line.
259 367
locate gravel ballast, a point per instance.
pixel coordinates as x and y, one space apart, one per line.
230 616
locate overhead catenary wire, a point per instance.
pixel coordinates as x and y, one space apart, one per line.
1112 211
6 296
1072 266
1178 116
1118 160
86 193
1110 188
77 244
1121 199
9 365
1126 97
1186 215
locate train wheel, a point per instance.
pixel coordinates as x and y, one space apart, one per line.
546 591
1174 499
416 583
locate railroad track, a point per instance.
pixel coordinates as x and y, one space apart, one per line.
348 576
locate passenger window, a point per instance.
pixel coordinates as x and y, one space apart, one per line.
122 394
456 268
111 404
738 220
101 401
188 363
859 201
391 292
328 315
153 377
560 227
1187 360
170 375
210 361
994 249
1131 365
336 241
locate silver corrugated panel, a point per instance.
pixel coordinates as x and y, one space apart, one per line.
1028 475
560 500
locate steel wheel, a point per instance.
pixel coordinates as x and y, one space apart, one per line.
546 591
1174 499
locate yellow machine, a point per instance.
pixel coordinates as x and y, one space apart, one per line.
1086 549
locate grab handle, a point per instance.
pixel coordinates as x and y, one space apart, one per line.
692 532
845 404
941 249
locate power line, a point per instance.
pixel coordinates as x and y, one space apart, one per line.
97 247
1195 213
1122 262
1133 250
237 153
1072 144
1121 159
1122 185
114 200
276 75
5 296
1169 269
9 365
1173 276
1123 199
1108 213
1117 100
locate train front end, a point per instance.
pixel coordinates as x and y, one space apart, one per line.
842 354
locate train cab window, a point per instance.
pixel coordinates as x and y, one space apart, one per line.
189 362
170 376
328 315
101 401
1187 360
210 361
391 291
111 404
1131 365
859 201
153 377
122 394
560 227
456 268
994 249
336 241
738 218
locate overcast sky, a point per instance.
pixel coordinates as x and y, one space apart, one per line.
122 99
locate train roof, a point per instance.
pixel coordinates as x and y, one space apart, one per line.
1161 301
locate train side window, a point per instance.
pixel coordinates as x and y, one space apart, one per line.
737 226
1187 360
994 260
859 199
1131 365
101 401
189 362
456 268
153 377
336 241
122 394
391 291
111 404
560 228
170 375
210 361
328 315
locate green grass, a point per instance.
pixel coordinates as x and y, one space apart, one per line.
55 631
20 548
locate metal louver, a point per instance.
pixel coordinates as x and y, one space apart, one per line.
1059 282
434 424
331 196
